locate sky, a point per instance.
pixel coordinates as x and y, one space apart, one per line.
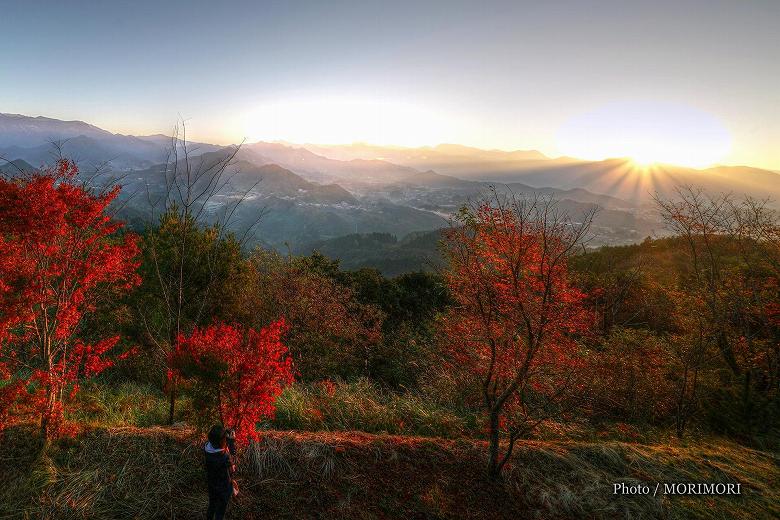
692 81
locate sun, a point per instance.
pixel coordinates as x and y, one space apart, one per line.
647 133
643 161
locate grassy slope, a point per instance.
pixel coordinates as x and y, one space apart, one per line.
156 473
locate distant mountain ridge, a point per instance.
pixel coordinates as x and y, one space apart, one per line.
312 196
13 168
25 131
35 140
618 178
321 168
358 167
424 157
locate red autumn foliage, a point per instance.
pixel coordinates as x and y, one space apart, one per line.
238 374
516 315
59 253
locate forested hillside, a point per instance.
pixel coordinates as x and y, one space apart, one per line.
522 359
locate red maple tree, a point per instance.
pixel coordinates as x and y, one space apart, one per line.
59 254
516 315
238 373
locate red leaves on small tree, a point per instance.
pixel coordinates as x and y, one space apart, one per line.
238 374
516 314
59 254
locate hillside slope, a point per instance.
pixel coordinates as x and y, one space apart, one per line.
156 473
390 255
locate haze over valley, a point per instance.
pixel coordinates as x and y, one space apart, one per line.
371 205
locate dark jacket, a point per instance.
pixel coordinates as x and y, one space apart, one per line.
218 469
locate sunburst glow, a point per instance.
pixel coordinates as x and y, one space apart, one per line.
647 133
346 120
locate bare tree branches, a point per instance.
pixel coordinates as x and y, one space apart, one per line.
734 246
189 191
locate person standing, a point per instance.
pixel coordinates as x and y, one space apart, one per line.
219 452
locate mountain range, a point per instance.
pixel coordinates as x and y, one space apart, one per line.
372 205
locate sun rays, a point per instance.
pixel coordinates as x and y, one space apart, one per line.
647 133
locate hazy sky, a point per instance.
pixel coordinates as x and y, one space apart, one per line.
512 75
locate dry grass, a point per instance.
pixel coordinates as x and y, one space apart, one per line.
360 405
156 473
365 406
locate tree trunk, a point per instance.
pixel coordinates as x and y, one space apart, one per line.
679 419
47 414
747 408
172 401
493 469
45 428
728 353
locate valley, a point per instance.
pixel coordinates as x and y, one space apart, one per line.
340 198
